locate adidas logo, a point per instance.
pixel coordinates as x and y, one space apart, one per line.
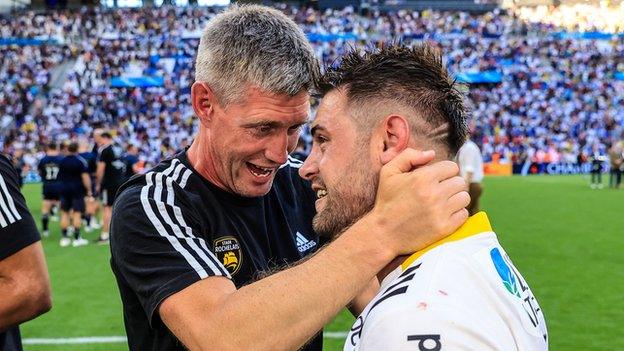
304 244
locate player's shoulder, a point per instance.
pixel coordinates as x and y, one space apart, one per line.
5 161
290 187
290 168
288 175
169 176
446 270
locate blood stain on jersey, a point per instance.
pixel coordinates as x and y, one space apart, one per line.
422 306
228 251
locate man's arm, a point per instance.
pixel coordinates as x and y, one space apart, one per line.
284 310
99 174
24 286
361 300
86 182
24 281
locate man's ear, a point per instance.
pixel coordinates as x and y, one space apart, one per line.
204 101
395 132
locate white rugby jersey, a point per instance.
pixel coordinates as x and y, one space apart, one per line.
461 293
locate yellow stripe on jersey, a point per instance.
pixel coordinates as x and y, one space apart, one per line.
476 224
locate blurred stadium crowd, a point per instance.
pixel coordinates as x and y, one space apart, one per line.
65 73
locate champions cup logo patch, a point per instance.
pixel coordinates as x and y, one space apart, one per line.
508 277
516 286
228 251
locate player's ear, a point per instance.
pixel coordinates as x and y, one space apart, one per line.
396 136
204 101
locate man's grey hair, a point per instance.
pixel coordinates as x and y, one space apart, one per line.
252 45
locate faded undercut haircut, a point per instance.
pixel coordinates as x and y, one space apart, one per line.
252 45
397 78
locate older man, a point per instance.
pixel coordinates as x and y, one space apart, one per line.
191 239
460 293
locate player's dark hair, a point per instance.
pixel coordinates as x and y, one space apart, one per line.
52 146
73 147
412 76
106 135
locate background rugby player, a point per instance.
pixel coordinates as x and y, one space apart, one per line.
89 154
48 171
110 174
74 175
191 237
460 293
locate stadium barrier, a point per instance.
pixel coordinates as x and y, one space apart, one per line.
497 169
27 42
137 82
480 77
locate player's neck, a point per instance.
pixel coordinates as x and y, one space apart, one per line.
391 267
196 155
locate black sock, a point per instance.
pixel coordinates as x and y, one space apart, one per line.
87 218
76 233
44 221
64 231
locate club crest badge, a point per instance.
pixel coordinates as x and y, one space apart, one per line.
228 251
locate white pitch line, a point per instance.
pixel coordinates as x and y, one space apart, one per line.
122 339
82 340
335 335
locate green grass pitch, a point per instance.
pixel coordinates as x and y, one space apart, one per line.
567 240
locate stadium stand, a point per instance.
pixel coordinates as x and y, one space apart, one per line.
539 90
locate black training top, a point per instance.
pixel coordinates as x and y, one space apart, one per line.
48 169
71 169
115 167
17 231
172 228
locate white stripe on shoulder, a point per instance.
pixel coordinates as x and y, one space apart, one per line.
292 162
185 176
207 256
3 222
175 228
8 205
180 168
163 232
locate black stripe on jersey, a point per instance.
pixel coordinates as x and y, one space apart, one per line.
169 223
406 277
410 270
388 295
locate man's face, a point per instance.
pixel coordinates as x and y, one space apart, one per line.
340 168
97 137
249 141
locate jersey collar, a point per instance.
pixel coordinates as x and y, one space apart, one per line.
475 224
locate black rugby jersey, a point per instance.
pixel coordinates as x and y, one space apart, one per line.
17 231
172 228
115 168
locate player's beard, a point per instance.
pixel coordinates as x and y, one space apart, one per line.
350 198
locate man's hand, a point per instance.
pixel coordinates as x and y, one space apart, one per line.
419 202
